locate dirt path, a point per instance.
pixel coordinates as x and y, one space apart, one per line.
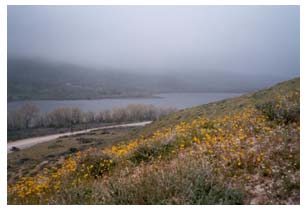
25 143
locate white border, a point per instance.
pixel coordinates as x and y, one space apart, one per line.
153 2
3 83
3 105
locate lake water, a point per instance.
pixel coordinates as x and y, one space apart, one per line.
177 100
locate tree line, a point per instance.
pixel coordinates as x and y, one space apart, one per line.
29 116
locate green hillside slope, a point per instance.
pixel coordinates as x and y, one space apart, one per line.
243 150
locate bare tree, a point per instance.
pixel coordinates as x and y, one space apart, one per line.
29 116
88 117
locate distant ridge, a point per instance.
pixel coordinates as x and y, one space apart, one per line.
43 79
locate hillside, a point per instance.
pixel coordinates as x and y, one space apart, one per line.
44 79
41 79
244 150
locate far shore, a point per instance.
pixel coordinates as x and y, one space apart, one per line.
153 96
87 99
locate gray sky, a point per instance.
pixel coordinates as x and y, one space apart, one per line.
250 39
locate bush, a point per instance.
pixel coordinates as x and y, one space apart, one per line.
185 181
280 112
206 194
95 164
144 153
148 152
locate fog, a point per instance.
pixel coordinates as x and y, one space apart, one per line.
247 39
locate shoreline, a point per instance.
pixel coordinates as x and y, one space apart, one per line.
82 99
154 96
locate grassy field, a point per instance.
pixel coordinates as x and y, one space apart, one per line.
244 150
30 161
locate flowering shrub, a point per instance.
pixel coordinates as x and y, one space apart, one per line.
281 110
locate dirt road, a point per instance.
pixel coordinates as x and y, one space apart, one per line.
25 143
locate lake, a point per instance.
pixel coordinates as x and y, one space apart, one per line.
177 100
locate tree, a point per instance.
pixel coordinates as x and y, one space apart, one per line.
27 113
88 117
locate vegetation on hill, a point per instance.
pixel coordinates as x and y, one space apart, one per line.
244 150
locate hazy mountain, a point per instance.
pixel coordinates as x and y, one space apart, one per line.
44 79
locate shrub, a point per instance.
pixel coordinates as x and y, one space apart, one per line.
95 164
150 151
185 181
207 194
284 112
